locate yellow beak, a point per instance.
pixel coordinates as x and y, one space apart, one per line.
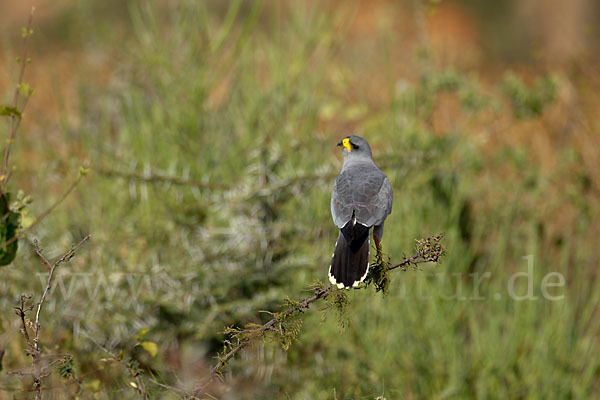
346 144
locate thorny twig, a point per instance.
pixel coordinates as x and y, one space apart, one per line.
40 367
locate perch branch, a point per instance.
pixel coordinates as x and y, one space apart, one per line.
303 304
427 250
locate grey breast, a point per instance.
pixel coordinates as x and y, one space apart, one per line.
364 189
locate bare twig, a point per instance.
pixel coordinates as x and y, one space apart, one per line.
21 311
14 119
175 180
158 178
52 267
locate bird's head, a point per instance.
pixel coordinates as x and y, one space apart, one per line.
355 147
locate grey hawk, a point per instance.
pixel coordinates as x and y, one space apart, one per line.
361 198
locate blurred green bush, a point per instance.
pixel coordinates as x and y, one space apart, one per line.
212 151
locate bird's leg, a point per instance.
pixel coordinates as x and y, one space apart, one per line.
378 256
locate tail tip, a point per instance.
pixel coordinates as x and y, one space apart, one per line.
340 285
333 281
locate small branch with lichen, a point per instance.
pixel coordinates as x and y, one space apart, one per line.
426 250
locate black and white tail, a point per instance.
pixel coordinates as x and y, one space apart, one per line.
350 260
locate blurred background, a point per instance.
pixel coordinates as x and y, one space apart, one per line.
210 127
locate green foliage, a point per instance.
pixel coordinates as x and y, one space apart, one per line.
9 225
10 111
25 89
66 369
288 331
430 248
25 32
379 275
420 100
338 301
529 102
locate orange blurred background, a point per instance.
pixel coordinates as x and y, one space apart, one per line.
484 38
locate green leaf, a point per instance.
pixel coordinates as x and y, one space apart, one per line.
25 89
67 369
26 32
9 111
150 347
93 385
142 333
9 224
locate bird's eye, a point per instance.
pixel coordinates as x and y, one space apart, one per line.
354 146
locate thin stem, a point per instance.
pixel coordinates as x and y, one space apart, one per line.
415 259
14 124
